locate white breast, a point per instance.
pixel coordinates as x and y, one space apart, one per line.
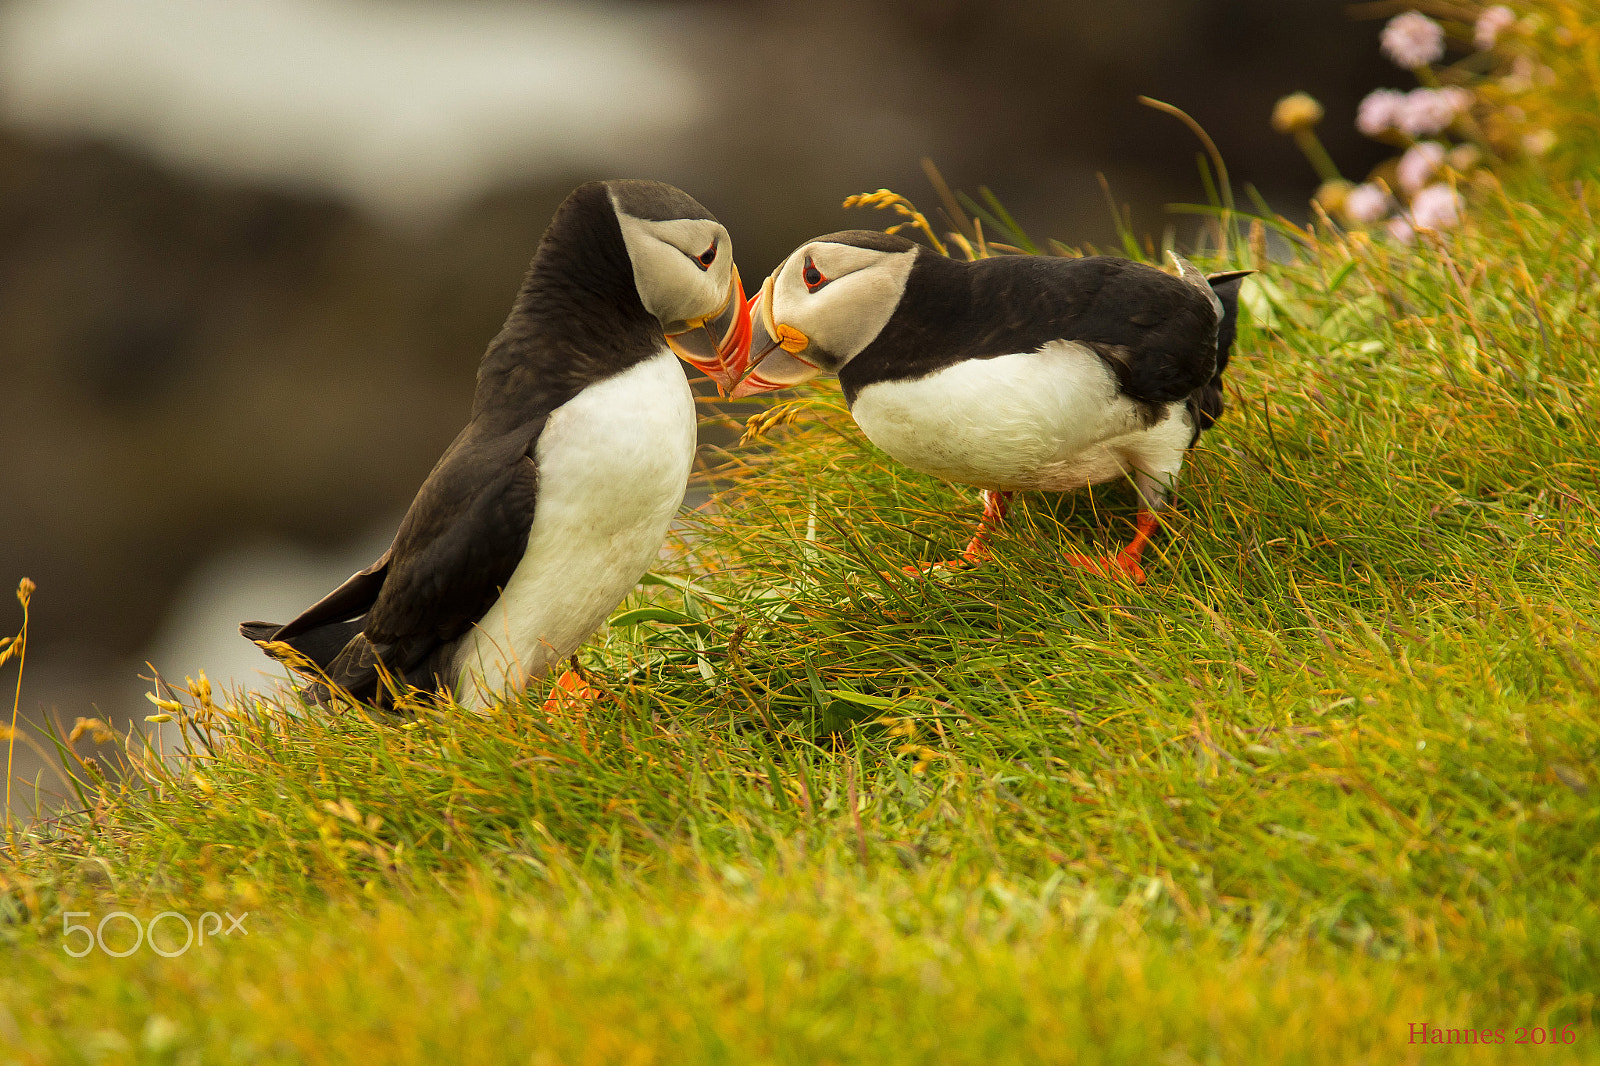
1051 419
613 465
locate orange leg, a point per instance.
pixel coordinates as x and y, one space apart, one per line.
994 512
1126 562
570 691
976 552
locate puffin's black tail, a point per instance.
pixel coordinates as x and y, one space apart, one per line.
328 633
256 632
340 654
1206 402
320 645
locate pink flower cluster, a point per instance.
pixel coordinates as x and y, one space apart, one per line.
1418 113
1422 173
1438 124
1367 203
1490 25
1413 40
1434 208
1419 164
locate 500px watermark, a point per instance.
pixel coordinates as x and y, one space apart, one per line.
145 932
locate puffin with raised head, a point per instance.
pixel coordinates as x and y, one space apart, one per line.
554 500
1008 373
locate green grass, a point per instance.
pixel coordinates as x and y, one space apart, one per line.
1331 772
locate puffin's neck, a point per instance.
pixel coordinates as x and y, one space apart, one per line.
577 318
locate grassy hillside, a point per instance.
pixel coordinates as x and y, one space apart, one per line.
1329 777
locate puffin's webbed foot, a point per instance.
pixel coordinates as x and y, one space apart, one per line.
976 553
1126 562
571 691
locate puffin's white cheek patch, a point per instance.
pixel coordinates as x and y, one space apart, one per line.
849 312
671 282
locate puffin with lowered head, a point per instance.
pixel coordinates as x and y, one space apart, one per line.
1006 373
554 500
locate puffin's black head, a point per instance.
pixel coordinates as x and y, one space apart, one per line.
826 303
683 269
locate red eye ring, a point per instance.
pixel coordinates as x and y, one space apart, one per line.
707 257
812 276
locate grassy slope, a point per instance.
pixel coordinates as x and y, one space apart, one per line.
1331 772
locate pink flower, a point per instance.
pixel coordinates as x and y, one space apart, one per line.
1491 24
1418 165
1436 207
1413 40
1428 111
1365 204
1401 230
1378 112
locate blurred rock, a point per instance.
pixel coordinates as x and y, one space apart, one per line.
184 361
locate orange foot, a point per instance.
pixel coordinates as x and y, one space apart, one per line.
571 692
964 561
976 552
1126 562
1109 566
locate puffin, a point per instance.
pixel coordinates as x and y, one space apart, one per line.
553 501
1011 373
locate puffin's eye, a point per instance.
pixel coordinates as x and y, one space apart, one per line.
812 276
707 257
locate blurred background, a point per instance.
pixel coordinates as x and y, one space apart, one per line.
252 250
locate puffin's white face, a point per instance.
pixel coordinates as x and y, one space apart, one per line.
826 303
685 274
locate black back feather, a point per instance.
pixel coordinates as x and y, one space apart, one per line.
1157 332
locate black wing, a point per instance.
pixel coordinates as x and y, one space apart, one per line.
1157 332
456 548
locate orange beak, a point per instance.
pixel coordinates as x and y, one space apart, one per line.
772 355
719 345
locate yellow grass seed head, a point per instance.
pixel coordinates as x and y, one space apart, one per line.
787 413
1258 243
1331 195
200 688
97 729
1296 112
285 654
170 706
887 198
